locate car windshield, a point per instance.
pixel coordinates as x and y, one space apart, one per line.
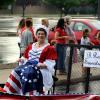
96 24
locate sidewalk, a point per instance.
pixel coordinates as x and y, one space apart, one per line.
75 77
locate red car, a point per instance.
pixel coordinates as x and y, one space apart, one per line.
79 24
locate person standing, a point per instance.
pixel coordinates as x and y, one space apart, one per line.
20 29
32 28
71 33
45 24
26 37
61 39
85 40
68 29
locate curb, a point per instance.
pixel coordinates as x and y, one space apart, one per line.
8 66
76 80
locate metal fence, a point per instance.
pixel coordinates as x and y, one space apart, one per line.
75 82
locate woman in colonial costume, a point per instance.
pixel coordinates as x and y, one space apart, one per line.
34 76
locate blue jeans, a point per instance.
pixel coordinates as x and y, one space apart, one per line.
61 52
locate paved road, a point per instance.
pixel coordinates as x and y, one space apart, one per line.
9 50
9 25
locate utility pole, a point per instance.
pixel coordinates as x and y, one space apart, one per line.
98 10
23 7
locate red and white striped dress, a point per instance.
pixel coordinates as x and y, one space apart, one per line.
46 55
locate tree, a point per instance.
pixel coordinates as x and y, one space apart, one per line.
25 3
6 2
65 5
62 5
91 3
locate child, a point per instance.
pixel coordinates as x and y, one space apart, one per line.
85 40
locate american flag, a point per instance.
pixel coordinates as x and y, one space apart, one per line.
25 80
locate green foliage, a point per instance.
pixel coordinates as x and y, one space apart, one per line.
67 4
6 2
62 3
90 2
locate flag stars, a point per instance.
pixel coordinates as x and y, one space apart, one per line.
25 79
30 81
26 67
21 74
22 70
35 67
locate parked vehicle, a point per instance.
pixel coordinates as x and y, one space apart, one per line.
79 24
